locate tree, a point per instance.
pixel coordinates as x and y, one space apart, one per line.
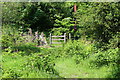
99 21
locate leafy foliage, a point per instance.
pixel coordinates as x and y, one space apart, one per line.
9 36
98 20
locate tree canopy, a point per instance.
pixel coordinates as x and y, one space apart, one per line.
95 20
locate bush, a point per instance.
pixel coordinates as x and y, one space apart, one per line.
9 36
43 61
103 58
18 68
12 37
79 47
23 49
114 42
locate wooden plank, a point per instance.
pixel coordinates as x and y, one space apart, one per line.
57 36
56 43
57 39
69 36
50 38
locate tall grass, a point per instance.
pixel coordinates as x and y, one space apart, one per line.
77 59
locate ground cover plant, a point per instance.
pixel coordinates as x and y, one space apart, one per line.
92 52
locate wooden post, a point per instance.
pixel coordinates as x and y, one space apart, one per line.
75 8
64 37
69 36
50 38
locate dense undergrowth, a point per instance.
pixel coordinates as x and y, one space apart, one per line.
76 59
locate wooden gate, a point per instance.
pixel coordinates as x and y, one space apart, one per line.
52 39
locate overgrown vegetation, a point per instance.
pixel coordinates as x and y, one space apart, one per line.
78 57
94 52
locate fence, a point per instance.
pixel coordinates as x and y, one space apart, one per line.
52 38
41 39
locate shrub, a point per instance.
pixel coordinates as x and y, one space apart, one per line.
14 66
79 47
9 36
43 62
107 57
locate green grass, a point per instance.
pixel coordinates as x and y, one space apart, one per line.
0 65
66 67
55 62
69 69
14 65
